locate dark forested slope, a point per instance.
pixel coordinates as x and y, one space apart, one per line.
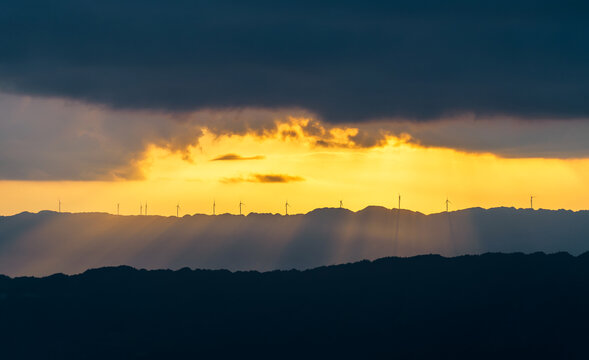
488 306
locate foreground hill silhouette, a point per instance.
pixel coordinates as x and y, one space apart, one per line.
49 242
471 307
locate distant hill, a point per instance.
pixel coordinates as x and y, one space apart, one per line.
493 306
49 242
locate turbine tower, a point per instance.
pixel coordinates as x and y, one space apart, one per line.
447 203
59 206
341 204
146 208
286 205
140 208
214 205
240 204
532 202
118 207
399 202
177 209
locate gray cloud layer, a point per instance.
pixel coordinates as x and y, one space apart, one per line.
343 60
57 140
511 138
53 139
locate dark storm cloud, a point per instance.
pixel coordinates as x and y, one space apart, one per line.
345 61
231 157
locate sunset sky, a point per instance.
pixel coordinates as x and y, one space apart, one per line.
302 102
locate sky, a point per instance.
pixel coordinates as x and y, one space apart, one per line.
193 102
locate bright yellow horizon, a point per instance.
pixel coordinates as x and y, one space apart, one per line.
314 177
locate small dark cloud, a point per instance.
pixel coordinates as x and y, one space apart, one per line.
263 178
275 178
237 157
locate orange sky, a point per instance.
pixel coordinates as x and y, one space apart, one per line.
315 176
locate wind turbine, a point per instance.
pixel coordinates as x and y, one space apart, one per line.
214 205
59 206
177 209
286 205
140 208
118 207
532 202
341 204
447 203
240 204
146 208
399 202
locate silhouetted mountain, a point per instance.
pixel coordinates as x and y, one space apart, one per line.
490 306
49 242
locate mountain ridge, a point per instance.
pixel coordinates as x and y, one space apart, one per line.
126 268
311 212
50 242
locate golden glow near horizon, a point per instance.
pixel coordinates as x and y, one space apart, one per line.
317 176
